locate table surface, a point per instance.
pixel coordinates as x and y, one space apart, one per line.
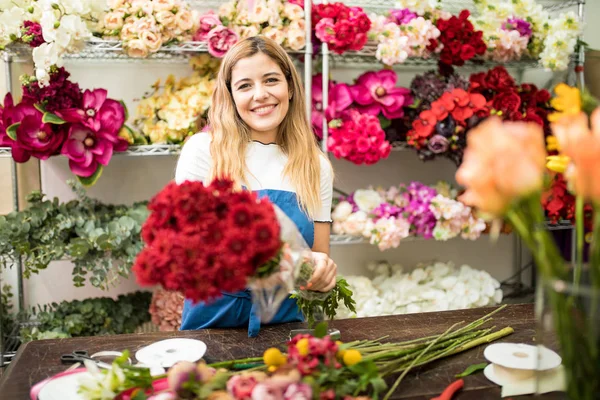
38 360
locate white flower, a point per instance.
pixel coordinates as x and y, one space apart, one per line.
341 211
44 56
354 224
367 200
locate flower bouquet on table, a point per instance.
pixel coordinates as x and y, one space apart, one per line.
386 217
145 26
205 240
572 290
308 367
280 20
60 118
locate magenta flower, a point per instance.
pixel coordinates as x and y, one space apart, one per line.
241 387
34 137
7 116
208 21
220 40
87 150
340 99
376 92
97 113
31 33
402 16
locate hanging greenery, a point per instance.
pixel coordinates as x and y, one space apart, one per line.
101 240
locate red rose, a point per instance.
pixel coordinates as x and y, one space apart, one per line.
363 23
467 52
464 15
543 96
359 42
498 79
507 102
330 10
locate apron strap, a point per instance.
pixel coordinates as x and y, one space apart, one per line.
253 322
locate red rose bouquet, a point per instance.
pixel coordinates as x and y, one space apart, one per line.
460 39
204 240
343 28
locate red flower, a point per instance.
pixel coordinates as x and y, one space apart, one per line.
340 26
507 102
461 42
204 240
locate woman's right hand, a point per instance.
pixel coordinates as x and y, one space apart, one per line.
324 276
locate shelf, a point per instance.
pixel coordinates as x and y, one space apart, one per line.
112 50
455 6
366 57
149 150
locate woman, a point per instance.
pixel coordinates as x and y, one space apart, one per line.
260 136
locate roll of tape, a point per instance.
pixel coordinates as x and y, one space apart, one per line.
520 356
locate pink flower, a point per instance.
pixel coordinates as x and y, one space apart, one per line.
34 137
340 98
180 373
7 118
377 92
208 21
298 391
297 2
220 39
97 112
266 391
325 30
87 150
241 386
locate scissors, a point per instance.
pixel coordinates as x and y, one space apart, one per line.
79 356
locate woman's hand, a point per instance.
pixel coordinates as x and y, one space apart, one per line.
325 274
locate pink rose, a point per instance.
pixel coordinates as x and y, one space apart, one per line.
220 40
325 30
240 387
298 391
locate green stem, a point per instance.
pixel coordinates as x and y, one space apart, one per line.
579 204
230 363
397 383
595 249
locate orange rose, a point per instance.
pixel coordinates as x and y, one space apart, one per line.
502 162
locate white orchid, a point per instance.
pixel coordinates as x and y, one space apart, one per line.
433 287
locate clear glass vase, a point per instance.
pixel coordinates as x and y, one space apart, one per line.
569 322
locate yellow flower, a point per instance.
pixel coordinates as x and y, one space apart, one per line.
566 102
352 357
558 163
273 357
302 346
552 144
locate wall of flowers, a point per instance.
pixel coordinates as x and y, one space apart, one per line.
79 116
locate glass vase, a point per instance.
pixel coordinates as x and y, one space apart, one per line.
569 322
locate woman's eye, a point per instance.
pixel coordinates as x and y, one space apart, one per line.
272 80
243 86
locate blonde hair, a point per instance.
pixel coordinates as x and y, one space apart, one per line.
231 135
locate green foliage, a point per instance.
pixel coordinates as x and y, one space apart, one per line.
89 317
341 293
101 240
8 318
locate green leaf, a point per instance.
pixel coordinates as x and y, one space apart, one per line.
321 329
125 108
91 181
50 118
384 122
103 242
40 107
471 369
11 131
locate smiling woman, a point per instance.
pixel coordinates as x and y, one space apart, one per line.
261 138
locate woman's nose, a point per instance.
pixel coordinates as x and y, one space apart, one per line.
260 93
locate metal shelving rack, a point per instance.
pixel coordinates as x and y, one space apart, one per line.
111 51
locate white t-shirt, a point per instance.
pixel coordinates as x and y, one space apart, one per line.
265 164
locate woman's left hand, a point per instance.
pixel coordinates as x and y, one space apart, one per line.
325 274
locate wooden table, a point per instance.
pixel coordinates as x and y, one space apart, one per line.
38 360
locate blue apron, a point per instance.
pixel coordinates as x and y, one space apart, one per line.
235 310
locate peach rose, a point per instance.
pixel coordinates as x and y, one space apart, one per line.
502 162
113 20
128 32
163 5
274 34
136 48
114 4
145 24
151 40
165 18
184 20
296 39
293 12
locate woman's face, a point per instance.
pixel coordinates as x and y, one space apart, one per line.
261 95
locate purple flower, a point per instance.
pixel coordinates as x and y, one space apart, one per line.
438 144
386 210
520 25
376 92
416 210
403 16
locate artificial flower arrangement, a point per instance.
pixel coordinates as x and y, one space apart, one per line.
51 27
145 26
341 27
386 217
571 290
433 286
310 367
522 28
442 128
60 118
498 30
357 114
203 240
280 20
179 110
